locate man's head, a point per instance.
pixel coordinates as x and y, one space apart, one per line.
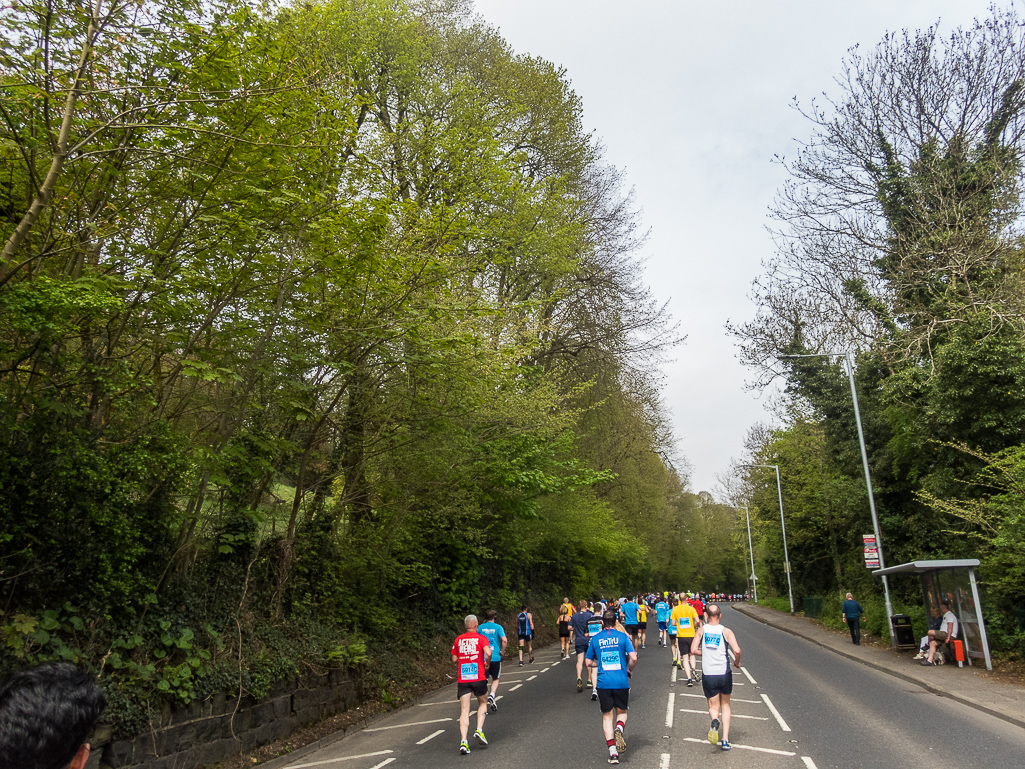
712 610
850 597
491 614
46 715
585 606
524 607
608 619
566 599
470 622
944 606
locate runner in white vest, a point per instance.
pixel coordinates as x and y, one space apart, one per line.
716 677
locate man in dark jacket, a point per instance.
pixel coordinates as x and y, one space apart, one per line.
852 615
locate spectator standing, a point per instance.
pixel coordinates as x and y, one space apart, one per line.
853 614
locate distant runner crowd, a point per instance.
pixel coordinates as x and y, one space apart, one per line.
605 636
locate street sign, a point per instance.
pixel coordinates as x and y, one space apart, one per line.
871 551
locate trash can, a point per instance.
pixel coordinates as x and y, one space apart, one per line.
812 606
903 633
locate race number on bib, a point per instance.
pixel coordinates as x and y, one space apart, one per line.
611 660
684 623
593 628
468 671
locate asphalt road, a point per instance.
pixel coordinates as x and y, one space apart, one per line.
795 706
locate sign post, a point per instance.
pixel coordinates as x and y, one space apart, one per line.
871 551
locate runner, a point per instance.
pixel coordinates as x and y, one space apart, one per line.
563 622
472 653
495 634
642 620
613 656
578 627
525 633
671 628
629 609
662 617
699 606
717 678
686 622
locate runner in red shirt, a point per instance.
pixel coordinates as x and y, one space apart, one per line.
472 653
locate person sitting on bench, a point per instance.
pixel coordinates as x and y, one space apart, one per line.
935 621
948 632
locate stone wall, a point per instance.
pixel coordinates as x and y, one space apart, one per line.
212 730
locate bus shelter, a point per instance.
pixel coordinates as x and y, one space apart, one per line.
952 582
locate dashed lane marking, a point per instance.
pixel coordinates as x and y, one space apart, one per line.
735 715
456 702
808 762
663 762
430 737
670 709
532 678
779 718
343 758
546 669
749 678
673 677
745 747
403 726
515 687
383 763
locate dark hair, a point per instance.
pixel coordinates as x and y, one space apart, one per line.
608 619
491 614
46 715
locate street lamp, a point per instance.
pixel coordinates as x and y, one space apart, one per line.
849 357
786 556
751 548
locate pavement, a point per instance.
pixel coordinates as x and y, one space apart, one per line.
968 685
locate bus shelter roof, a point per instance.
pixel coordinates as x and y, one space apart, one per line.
920 567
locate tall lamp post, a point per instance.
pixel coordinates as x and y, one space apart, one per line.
849 358
751 549
786 555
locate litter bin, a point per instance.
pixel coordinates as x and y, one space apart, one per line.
812 606
903 633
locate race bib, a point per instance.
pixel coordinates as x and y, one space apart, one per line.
593 628
712 639
610 660
468 671
684 623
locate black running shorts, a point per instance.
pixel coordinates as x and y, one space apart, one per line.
613 698
683 643
495 670
631 629
523 637
476 688
642 625
715 685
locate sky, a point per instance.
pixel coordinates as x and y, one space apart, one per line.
692 101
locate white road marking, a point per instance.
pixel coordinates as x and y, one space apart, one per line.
664 761
735 715
532 678
343 758
546 670
808 762
403 726
673 678
779 718
515 687
745 747
555 663
744 671
383 763
670 709
732 699
430 737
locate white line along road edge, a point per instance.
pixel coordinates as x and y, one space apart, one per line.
749 678
415 723
670 708
343 758
772 709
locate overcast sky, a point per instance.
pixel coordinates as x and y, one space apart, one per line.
692 101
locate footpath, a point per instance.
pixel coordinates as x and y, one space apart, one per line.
967 685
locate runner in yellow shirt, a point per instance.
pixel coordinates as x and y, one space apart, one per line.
686 622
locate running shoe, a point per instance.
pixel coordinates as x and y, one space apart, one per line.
690 682
620 740
532 659
643 646
481 739
464 748
725 745
613 758
521 663
713 732
594 696
492 704
580 685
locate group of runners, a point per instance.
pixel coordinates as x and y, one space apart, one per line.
605 636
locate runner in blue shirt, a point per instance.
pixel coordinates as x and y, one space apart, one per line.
630 622
495 634
613 656
662 617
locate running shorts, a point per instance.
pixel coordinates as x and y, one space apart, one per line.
683 643
613 698
661 625
563 630
643 625
476 688
631 629
495 670
524 637
581 649
715 685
